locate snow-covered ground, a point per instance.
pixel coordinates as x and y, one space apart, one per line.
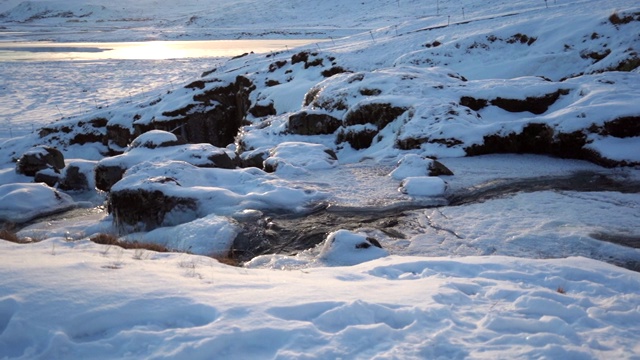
517 274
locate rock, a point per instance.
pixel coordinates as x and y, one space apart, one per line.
40 158
379 114
259 110
534 105
148 208
304 123
22 202
436 168
299 157
254 158
360 138
413 165
47 176
215 116
157 145
106 175
78 176
344 247
155 139
423 186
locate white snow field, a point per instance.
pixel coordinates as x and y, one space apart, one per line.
547 269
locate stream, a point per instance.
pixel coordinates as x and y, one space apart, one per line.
290 234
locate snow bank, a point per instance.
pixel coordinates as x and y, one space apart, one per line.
116 303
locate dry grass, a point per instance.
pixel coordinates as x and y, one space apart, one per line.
561 290
108 239
229 259
8 233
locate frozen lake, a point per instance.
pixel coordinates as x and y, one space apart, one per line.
146 50
80 77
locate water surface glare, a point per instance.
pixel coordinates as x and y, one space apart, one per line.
145 50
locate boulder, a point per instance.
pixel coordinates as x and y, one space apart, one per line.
78 176
155 139
40 158
47 176
149 208
345 247
412 165
108 174
305 123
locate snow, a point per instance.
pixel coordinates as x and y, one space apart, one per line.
423 186
547 270
93 301
23 202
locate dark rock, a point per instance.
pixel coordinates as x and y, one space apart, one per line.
119 135
222 160
300 57
47 176
262 110
628 126
215 118
370 92
147 207
437 169
358 140
73 179
379 114
254 158
540 139
277 65
198 84
303 123
334 70
40 158
272 82
472 103
374 242
87 137
534 105
106 176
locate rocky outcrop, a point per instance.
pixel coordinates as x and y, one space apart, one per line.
378 114
374 117
537 139
535 105
215 116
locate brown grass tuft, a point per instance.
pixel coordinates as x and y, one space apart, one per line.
561 290
228 259
108 239
8 233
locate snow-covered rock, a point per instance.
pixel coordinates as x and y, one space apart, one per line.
344 247
22 202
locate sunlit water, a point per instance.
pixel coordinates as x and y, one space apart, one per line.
148 50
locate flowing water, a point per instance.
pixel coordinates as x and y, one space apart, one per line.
288 234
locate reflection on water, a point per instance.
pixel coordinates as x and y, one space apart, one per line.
148 50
